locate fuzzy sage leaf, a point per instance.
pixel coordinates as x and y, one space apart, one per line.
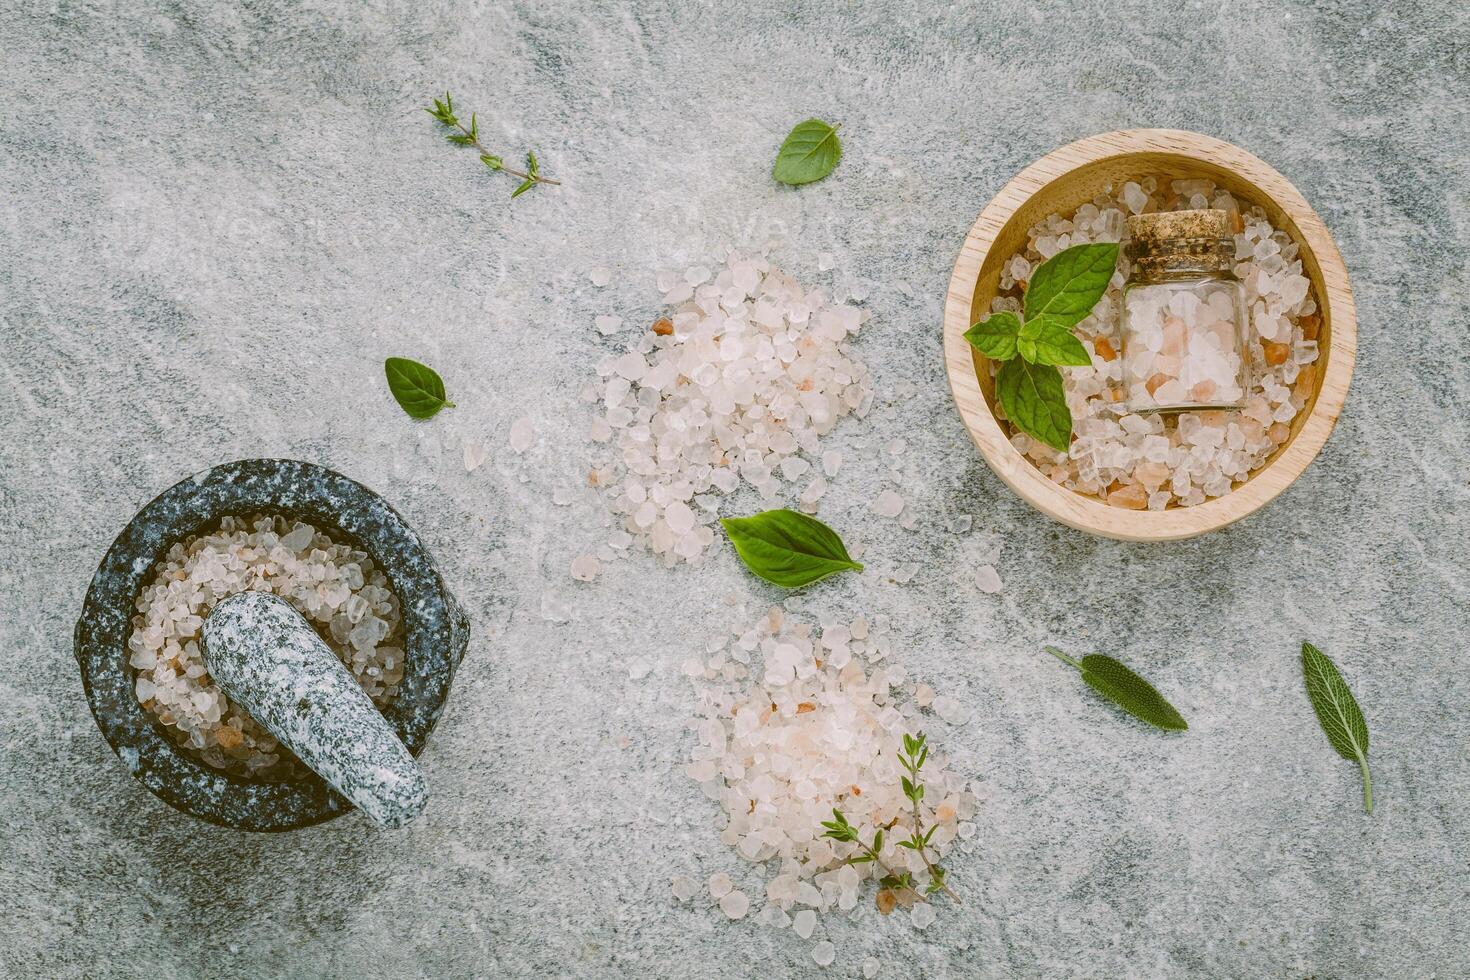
810 152
788 549
416 387
1126 689
1338 712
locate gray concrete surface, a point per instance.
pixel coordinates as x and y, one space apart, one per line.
218 219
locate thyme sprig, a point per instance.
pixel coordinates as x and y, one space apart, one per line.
443 111
915 753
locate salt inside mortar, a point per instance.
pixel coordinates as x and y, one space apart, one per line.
1138 461
335 586
808 728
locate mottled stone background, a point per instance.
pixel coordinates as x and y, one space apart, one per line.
218 219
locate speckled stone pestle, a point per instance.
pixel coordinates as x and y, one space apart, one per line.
272 663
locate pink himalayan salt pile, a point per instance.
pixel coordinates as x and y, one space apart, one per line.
1153 461
335 586
737 384
807 729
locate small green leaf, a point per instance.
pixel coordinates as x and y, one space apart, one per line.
1034 400
908 786
474 126
878 841
1054 343
810 152
1338 712
995 335
532 165
493 162
1126 689
909 844
526 185
416 387
788 549
860 859
458 139
1068 285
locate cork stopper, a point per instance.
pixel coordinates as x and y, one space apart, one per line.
1162 226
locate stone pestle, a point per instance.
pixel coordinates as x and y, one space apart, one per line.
270 661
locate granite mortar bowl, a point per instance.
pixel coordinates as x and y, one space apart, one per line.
436 632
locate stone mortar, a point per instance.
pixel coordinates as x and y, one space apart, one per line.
436 632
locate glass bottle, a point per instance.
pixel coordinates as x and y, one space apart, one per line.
1184 315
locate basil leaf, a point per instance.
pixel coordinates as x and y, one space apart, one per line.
1068 285
1338 712
788 549
1126 689
1053 342
417 388
1033 399
995 336
810 152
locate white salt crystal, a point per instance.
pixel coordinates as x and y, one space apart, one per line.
607 325
887 504
600 277
585 568
735 904
720 884
826 262
638 668
475 455
684 887
804 923
831 462
923 915
823 953
987 579
961 524
870 968
522 434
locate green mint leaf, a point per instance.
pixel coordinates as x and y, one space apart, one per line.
995 336
910 745
1126 689
417 388
788 549
526 185
810 152
532 165
908 786
1068 285
1033 399
493 162
1054 343
1338 712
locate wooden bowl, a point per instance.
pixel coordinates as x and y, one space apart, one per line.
1059 183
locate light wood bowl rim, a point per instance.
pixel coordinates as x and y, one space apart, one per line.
1089 514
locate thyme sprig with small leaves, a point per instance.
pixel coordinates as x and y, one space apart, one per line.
470 136
915 753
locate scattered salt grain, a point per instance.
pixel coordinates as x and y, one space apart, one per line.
987 579
823 953
804 923
475 455
607 325
888 504
826 262
684 888
585 568
638 668
961 524
923 915
870 968
600 277
720 884
831 462
522 434
735 904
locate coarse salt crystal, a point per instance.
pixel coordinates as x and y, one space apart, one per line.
600 277
585 568
522 434
475 455
823 953
987 579
887 504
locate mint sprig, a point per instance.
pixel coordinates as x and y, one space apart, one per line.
1062 292
416 387
463 135
809 153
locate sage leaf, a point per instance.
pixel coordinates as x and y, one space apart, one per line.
788 549
1068 285
1338 713
995 335
810 152
1033 399
416 387
1126 689
1054 343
